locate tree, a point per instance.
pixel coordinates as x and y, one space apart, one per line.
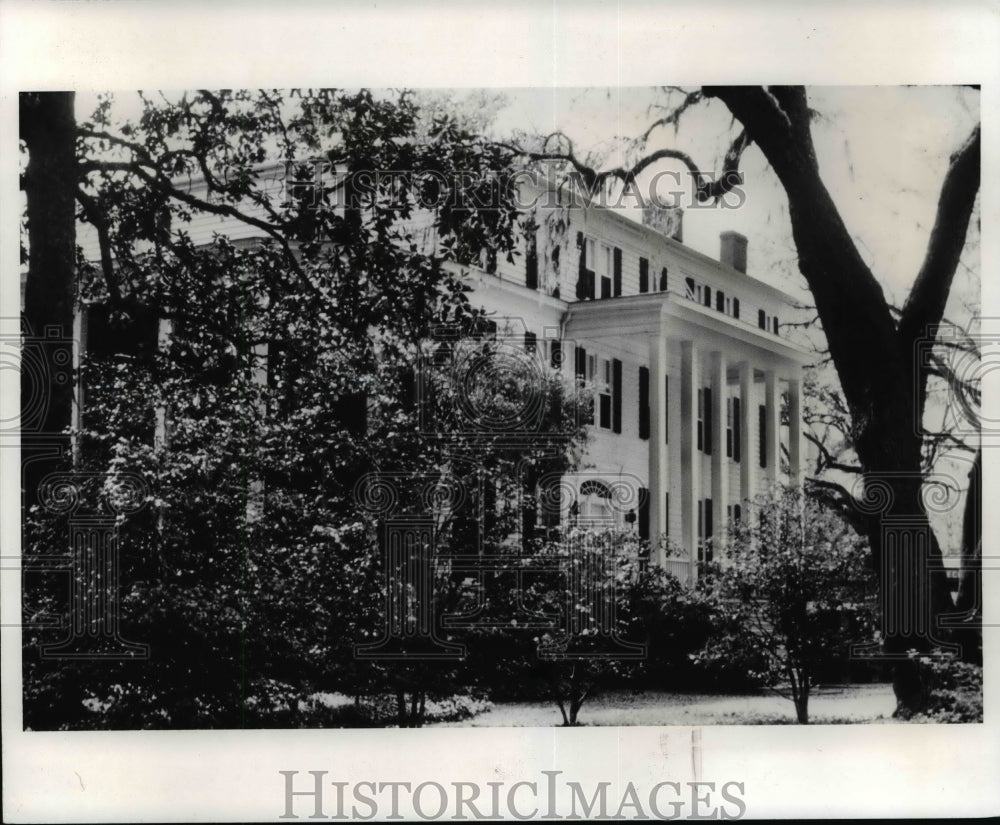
883 395
794 591
285 375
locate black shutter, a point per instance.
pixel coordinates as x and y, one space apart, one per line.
666 409
581 363
761 319
643 402
736 308
643 275
663 280
530 342
605 287
531 258
708 529
762 434
581 279
737 425
775 321
708 421
556 355
720 300
616 395
618 271
708 297
644 513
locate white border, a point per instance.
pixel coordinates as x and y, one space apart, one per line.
788 771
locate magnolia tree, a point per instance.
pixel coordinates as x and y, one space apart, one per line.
794 590
250 386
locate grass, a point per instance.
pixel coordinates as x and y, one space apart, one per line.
843 704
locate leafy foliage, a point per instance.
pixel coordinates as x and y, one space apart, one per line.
794 592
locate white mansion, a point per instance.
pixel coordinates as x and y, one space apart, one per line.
688 360
686 353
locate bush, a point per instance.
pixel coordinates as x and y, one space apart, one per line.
953 689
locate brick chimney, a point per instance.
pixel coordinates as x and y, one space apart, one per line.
733 250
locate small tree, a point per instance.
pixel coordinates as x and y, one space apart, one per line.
795 588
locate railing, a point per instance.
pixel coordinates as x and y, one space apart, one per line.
681 568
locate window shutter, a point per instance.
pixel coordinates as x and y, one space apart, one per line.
761 319
581 279
555 354
605 287
616 395
530 342
581 363
644 513
720 300
666 408
643 402
774 320
531 258
663 280
762 434
736 308
708 421
708 297
643 275
618 272
737 443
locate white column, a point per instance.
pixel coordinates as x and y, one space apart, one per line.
795 431
657 448
772 402
720 463
748 434
690 457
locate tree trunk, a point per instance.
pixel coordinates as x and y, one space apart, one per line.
873 355
48 129
970 587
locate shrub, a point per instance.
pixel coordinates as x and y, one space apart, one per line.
953 689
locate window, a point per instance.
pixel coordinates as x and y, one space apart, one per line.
595 501
643 402
643 275
762 434
736 308
774 321
720 301
605 286
737 513
604 394
663 279
705 530
761 319
707 295
691 291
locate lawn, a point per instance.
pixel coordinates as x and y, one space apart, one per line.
831 705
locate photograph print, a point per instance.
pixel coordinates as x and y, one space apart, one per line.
392 408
